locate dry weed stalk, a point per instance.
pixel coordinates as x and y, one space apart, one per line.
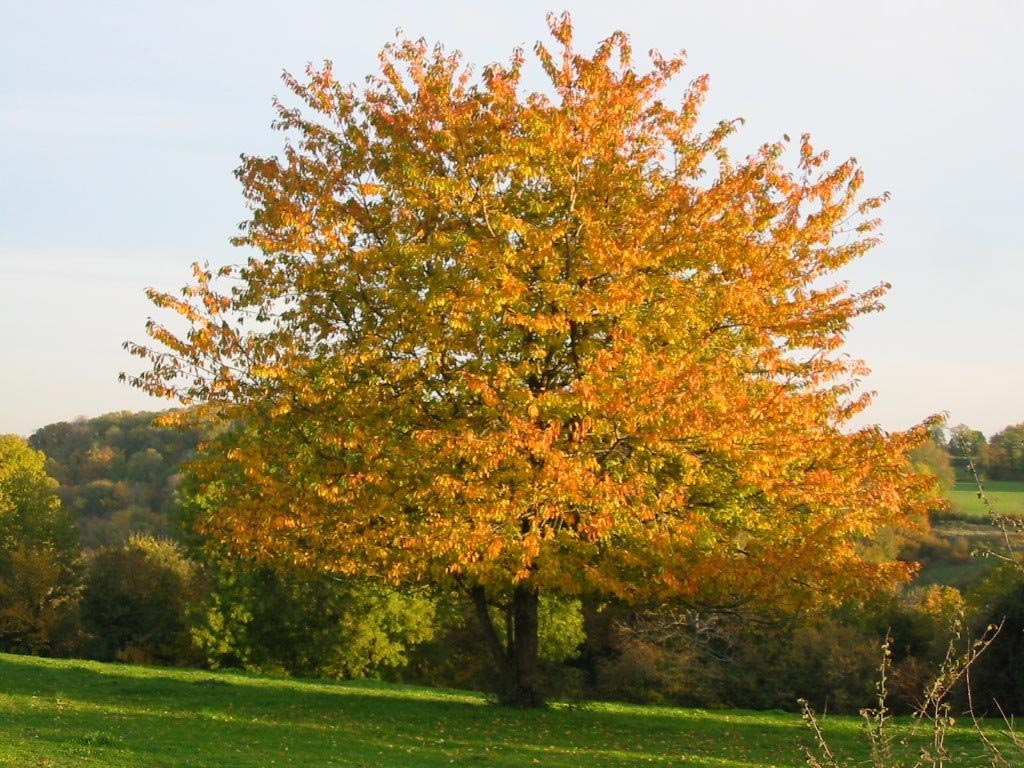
934 712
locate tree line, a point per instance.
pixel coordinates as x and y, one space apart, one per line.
999 457
76 580
962 454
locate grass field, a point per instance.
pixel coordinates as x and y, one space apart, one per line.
966 527
73 713
1007 496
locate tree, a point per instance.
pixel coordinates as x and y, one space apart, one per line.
967 446
998 677
932 456
136 602
1006 454
38 554
519 342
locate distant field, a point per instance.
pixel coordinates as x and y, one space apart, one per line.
60 714
958 568
1007 496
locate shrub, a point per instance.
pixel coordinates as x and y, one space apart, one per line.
307 624
136 602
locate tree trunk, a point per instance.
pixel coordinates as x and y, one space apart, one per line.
517 660
525 647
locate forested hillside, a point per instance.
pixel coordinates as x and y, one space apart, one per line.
117 473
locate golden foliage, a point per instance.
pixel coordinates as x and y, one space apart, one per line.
561 337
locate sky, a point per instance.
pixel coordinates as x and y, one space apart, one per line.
121 124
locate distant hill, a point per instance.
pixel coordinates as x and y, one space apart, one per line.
117 472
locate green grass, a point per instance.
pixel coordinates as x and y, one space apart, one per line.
1007 496
72 713
966 528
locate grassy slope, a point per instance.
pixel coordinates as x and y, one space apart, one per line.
1007 496
70 713
960 569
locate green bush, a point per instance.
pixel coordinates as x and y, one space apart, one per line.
307 624
136 602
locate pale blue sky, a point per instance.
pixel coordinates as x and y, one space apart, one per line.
120 124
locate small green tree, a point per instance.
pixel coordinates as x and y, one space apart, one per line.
933 458
136 602
38 555
967 445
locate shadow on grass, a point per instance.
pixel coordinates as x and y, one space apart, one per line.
119 715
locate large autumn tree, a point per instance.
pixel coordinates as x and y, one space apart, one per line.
520 342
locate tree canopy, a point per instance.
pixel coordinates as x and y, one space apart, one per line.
558 340
30 510
38 552
1005 459
118 473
